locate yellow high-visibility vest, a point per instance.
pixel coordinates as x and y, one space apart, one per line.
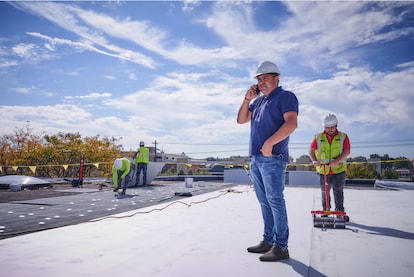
142 155
327 152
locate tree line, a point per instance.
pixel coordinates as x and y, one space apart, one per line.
24 148
376 167
59 156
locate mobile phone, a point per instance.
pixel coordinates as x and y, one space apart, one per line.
257 90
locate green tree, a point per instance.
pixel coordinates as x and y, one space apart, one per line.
389 174
16 148
202 171
305 159
402 162
361 171
49 153
358 159
375 156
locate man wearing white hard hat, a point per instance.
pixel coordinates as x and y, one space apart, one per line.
141 157
329 151
122 174
272 113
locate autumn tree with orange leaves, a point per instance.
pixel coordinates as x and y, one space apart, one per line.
56 155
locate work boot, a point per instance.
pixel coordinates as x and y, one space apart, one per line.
275 254
339 215
123 191
262 247
115 189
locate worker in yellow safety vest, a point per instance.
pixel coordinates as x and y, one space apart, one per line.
142 159
328 151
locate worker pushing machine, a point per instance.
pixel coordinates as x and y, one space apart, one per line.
329 151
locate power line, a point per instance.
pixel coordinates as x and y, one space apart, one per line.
196 143
382 143
219 151
297 148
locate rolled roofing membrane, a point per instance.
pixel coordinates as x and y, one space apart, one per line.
384 184
21 180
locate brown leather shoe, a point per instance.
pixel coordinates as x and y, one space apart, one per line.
262 247
275 254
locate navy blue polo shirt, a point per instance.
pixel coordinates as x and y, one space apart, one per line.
267 118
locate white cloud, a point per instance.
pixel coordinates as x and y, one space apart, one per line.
189 5
30 52
7 63
73 19
23 90
23 50
117 52
373 104
93 95
132 76
51 119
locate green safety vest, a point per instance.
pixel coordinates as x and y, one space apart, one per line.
327 152
142 155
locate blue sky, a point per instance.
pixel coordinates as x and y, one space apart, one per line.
176 72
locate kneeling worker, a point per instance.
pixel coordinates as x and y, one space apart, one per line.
122 173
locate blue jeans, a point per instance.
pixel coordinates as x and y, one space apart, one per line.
268 175
143 167
124 183
336 182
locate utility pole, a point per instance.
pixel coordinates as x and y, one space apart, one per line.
155 154
81 164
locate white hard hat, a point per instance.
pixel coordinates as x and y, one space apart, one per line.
330 121
141 143
118 163
267 67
